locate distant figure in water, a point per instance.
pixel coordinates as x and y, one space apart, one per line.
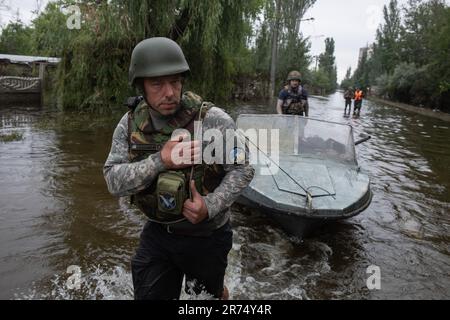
358 102
293 99
348 96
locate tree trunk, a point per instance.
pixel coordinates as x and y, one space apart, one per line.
274 57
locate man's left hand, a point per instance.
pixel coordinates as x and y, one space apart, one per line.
195 210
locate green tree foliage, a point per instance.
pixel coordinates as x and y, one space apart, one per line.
294 56
212 34
361 75
388 37
294 47
95 58
224 41
324 80
291 47
320 81
347 82
50 37
261 62
16 39
410 60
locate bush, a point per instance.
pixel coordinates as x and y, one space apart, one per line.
383 88
402 81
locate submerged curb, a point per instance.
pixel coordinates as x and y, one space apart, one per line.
423 111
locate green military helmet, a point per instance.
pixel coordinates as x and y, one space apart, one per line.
294 75
155 57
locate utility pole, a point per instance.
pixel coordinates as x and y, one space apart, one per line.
317 57
274 55
317 60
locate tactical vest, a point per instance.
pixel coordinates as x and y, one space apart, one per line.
157 202
295 102
348 95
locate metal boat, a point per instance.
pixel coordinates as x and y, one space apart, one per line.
306 171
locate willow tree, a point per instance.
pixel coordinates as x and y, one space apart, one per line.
288 48
15 38
347 81
94 68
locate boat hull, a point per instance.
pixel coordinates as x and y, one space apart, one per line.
307 175
302 224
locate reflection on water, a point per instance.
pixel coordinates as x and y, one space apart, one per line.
55 212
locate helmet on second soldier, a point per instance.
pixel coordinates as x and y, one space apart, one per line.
294 75
155 57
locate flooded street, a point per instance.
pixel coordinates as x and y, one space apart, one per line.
55 212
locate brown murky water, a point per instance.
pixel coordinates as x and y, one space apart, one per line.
55 212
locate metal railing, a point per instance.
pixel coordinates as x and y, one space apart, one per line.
10 84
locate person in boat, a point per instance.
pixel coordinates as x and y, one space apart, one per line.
358 97
293 99
348 96
188 232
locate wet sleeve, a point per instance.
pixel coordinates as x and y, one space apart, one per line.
122 177
237 177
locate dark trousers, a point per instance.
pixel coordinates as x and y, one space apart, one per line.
348 103
357 108
163 259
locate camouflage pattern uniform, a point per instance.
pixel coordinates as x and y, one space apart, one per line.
348 95
294 102
167 253
124 178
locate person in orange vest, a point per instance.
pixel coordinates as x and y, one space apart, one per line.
358 101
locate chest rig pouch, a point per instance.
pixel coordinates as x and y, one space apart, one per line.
171 193
295 104
163 200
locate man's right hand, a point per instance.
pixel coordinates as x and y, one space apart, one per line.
177 155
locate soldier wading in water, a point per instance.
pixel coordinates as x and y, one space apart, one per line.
188 233
293 99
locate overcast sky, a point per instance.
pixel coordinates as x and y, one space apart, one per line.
352 24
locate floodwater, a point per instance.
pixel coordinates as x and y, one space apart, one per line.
56 215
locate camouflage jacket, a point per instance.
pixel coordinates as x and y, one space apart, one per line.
124 178
348 95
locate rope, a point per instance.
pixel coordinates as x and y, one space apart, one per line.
308 194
